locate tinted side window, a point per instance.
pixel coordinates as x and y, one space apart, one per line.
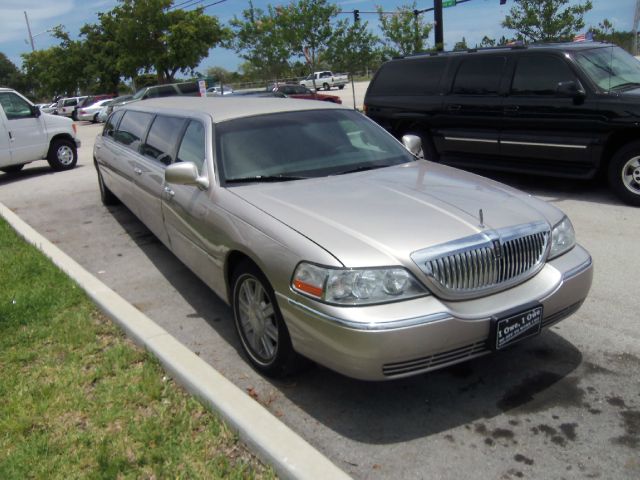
112 123
132 128
479 75
14 107
192 148
188 87
539 75
163 138
410 77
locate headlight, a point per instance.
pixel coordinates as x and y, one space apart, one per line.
357 286
563 238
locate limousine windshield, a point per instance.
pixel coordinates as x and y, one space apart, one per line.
303 144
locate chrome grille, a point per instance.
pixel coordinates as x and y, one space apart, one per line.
490 261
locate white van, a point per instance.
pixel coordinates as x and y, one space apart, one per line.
26 135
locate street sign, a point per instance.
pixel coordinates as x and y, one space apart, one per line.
448 3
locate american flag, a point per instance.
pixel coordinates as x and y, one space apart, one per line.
583 37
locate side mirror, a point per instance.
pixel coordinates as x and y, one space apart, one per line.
413 143
35 111
570 88
185 173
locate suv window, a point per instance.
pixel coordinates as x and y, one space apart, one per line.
132 128
188 87
162 138
14 107
192 148
70 102
112 123
162 91
540 75
479 75
410 77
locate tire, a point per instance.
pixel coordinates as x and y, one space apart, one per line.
62 155
624 173
95 118
13 168
106 196
263 334
340 87
428 149
326 86
74 115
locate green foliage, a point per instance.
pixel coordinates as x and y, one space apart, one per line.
404 33
606 32
461 45
10 76
546 20
81 401
352 48
487 42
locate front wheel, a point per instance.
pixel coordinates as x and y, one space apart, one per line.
340 87
624 173
326 86
62 154
259 323
106 195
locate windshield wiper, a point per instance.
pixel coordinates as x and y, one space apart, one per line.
361 169
626 85
264 178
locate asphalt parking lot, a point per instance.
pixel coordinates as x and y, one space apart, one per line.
563 405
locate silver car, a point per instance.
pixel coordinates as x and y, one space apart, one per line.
333 241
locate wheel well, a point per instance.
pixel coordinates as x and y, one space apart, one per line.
615 143
234 259
62 136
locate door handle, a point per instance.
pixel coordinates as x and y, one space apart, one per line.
169 192
454 108
511 108
137 171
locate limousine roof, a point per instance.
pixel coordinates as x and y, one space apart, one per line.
221 109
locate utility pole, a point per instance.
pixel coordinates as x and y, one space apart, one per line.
33 48
437 17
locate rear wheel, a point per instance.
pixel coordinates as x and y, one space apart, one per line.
12 168
624 173
95 118
259 323
62 154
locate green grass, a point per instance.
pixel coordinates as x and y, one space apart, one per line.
79 400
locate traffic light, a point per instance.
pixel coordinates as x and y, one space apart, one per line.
356 16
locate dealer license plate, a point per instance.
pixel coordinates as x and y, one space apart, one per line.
513 328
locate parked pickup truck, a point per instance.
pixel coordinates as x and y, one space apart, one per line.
324 80
27 134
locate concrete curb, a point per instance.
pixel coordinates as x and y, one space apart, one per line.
275 443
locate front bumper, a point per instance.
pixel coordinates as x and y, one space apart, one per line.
401 339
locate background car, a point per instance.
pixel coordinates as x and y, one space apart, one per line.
90 113
66 106
48 107
292 90
219 90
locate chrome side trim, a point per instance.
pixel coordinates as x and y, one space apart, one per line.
370 326
479 140
536 144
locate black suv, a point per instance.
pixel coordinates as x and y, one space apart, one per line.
570 110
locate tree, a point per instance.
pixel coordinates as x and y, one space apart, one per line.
352 48
487 42
404 32
158 38
10 76
260 39
100 64
546 20
606 32
461 45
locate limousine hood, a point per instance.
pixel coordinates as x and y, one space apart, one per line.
379 217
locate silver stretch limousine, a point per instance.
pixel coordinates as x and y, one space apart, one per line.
333 241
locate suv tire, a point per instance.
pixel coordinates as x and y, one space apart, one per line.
62 155
624 173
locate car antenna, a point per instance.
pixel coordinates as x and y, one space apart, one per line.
481 216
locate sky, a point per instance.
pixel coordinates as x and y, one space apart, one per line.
473 20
